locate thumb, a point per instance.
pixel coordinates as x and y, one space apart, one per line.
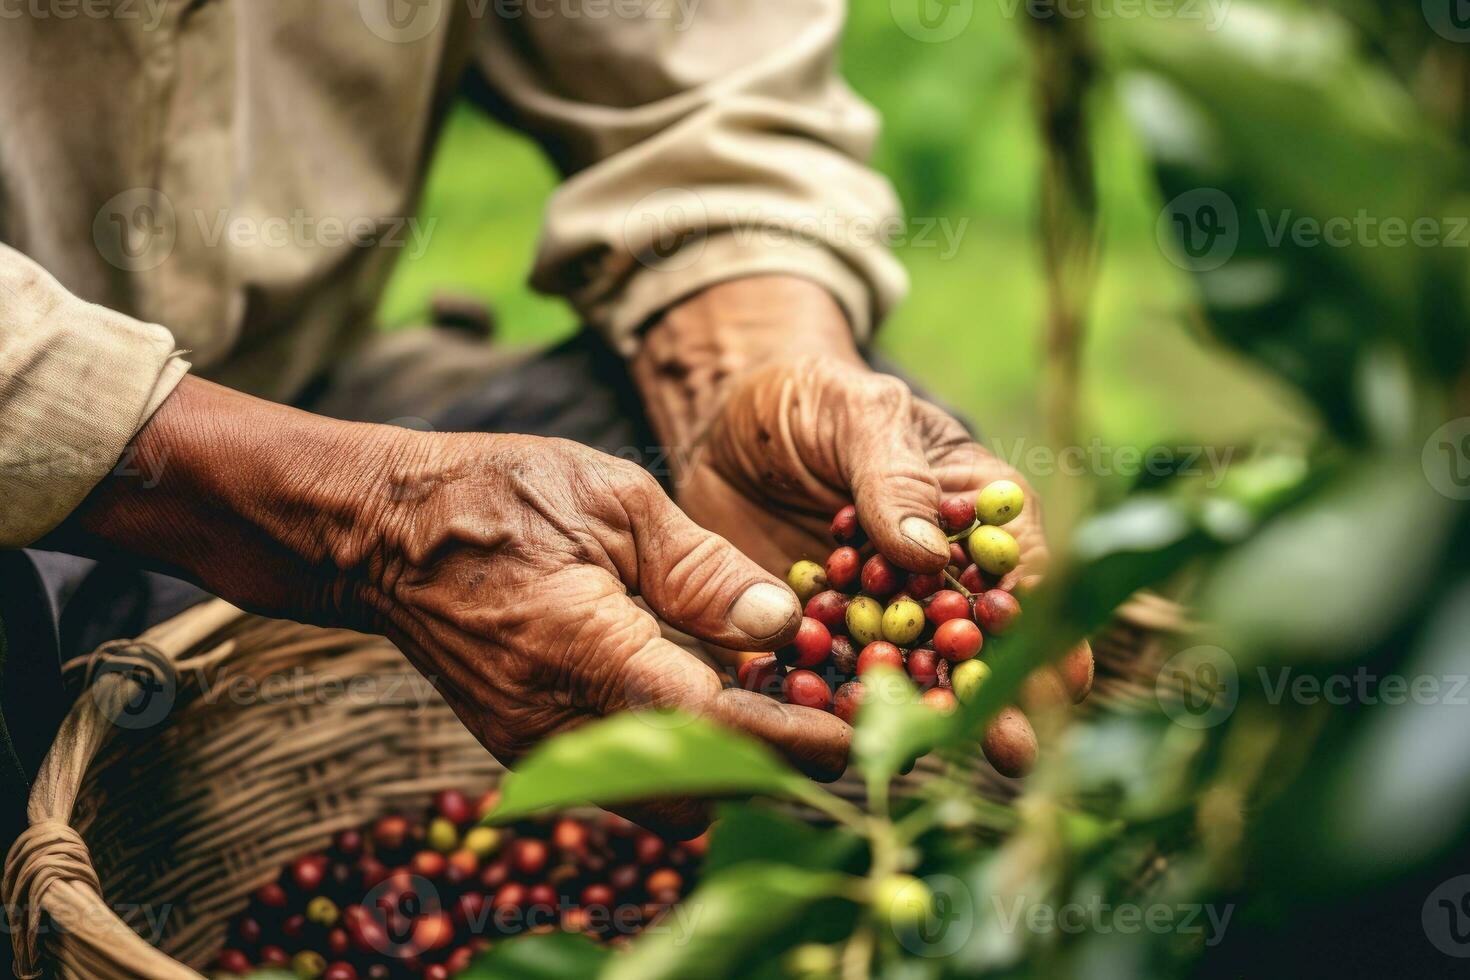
885 467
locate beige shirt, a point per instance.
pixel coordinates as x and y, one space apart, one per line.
231 180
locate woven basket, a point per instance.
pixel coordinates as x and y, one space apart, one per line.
203 756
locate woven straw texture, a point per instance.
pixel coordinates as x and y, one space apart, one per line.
204 755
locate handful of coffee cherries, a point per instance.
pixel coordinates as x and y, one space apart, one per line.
862 611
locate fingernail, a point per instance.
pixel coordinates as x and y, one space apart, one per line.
925 535
763 610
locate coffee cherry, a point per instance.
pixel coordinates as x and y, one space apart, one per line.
967 678
806 579
664 880
464 864
996 610
958 556
947 605
378 971
272 896
337 942
957 513
1010 743
971 580
761 674
529 856
923 665
371 871
495 874
648 848
428 864
308 872
459 960
903 900
569 836
390 832
999 503
844 656
454 806
881 578
845 527
813 643
274 956
924 584
233 961
486 803
808 689
878 653
598 896
1077 669
443 835
542 897
340 971
481 841
811 961
348 843
830 609
293 926
308 964
958 639
322 910
903 621
249 931
432 932
994 550
436 971
843 567
940 700
864 620
847 700
510 896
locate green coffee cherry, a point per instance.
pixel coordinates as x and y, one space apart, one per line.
903 621
811 961
966 678
864 621
443 836
322 910
903 900
994 550
308 964
999 503
806 579
481 841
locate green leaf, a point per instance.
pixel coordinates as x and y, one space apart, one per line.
731 913
642 755
748 833
894 727
552 956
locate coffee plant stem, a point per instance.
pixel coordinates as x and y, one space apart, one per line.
955 584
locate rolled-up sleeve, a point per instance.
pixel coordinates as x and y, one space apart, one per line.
700 142
77 381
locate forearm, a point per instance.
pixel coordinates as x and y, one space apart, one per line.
699 348
260 503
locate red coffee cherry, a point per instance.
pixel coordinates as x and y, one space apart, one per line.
436 971
879 652
813 643
973 579
761 674
511 895
923 667
428 864
845 527
249 931
390 832
924 584
957 513
808 689
542 897
958 639
432 932
648 848
830 609
846 701
881 578
274 956
597 896
664 880
495 874
371 870
941 700
996 610
844 656
348 843
529 856
945 606
843 566
337 942
469 910
340 971
454 806
624 878
293 926
570 836
486 803
233 961
308 872
272 896
464 864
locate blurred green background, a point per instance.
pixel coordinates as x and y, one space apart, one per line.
959 143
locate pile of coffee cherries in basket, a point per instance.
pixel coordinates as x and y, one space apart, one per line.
862 611
406 898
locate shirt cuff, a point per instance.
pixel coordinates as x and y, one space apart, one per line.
77 382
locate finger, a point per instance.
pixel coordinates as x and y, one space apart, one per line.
697 581
886 468
676 818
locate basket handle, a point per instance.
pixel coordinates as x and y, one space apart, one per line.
49 868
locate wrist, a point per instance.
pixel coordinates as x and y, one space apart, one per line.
701 348
267 506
